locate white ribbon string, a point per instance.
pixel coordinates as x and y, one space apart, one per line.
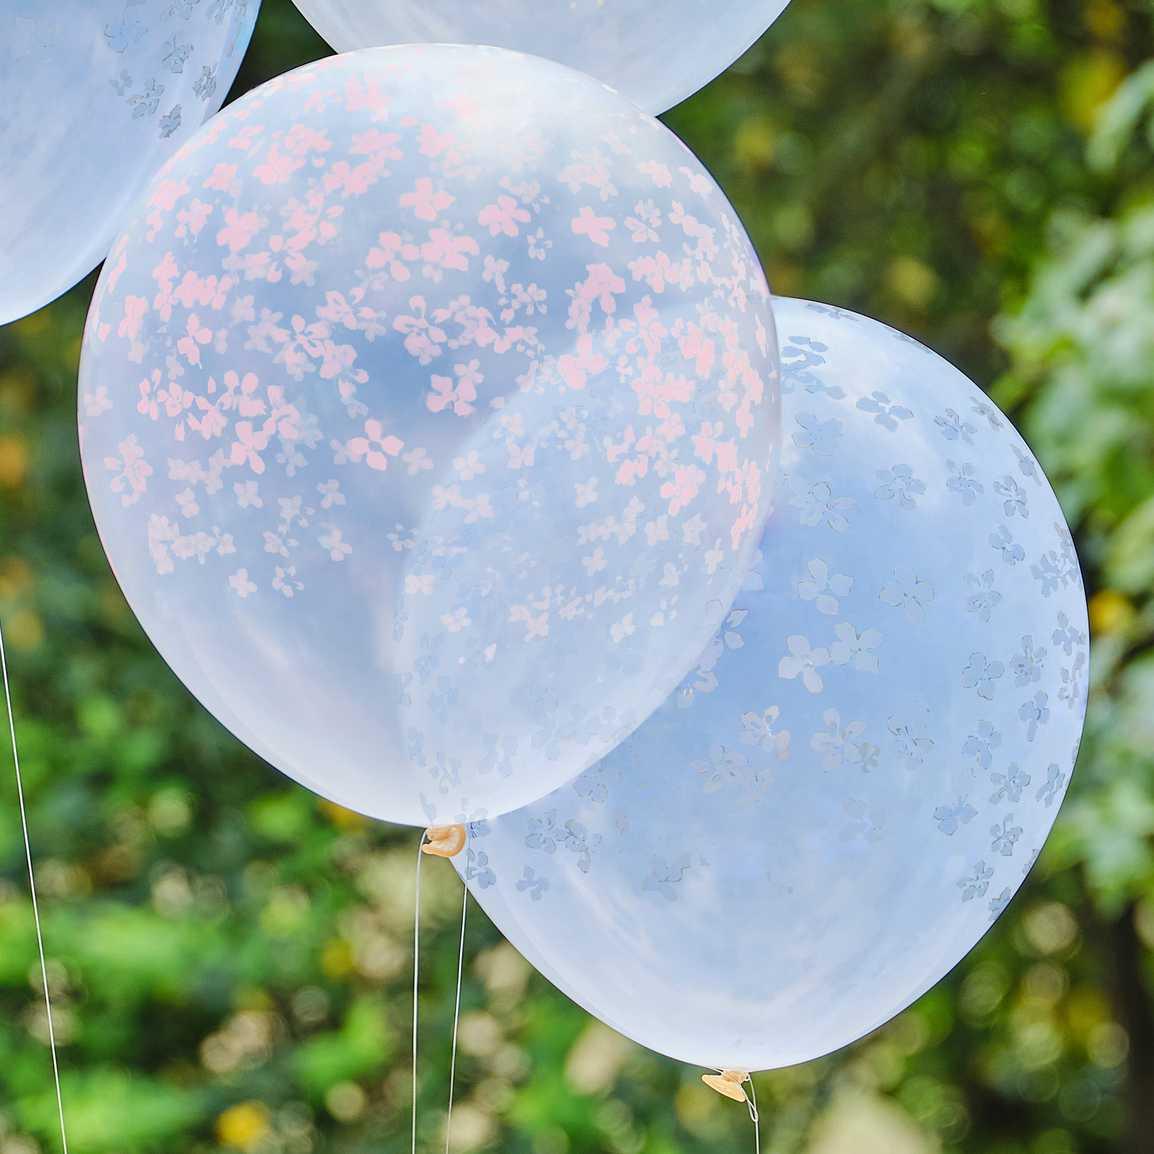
416 977
32 889
754 1117
416 992
457 1011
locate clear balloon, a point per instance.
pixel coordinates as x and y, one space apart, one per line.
96 94
859 773
426 406
656 54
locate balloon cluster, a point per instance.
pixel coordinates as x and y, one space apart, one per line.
438 430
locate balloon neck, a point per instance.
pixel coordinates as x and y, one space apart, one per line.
444 840
728 1083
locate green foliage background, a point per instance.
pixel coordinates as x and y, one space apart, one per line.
231 957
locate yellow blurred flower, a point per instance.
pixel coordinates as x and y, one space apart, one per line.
243 1126
1110 611
13 461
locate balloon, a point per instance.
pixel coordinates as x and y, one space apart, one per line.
425 407
655 54
858 774
96 94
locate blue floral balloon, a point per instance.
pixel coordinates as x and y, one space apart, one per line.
851 784
96 94
654 53
426 410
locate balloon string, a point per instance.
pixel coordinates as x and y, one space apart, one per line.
32 889
416 977
754 1117
457 1011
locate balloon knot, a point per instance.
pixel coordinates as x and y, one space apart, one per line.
728 1083
444 840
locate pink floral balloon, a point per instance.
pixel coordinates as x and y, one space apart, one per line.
425 409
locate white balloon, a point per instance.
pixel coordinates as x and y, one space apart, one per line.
859 773
94 96
656 54
418 420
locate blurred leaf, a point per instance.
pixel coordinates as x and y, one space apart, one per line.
362 1045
